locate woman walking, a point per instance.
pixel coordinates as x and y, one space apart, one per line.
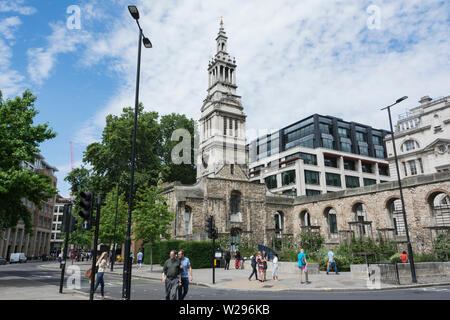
260 262
101 264
275 267
237 263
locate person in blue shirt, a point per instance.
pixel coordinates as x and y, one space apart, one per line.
331 261
302 263
186 275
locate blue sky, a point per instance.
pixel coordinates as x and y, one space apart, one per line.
295 57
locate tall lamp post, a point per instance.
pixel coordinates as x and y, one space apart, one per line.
113 256
126 288
410 252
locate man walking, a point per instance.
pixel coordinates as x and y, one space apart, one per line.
253 263
227 259
302 266
331 261
186 275
140 255
171 276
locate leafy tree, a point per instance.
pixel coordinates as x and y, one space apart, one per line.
185 173
112 155
151 216
107 217
19 142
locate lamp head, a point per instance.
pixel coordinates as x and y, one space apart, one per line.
134 12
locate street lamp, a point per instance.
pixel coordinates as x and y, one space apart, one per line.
410 252
126 288
113 256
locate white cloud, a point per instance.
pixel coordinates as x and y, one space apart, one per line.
16 6
62 40
295 58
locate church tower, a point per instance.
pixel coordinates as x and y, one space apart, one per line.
222 123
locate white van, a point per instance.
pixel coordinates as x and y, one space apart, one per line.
17 257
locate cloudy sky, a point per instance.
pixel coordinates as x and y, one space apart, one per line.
295 58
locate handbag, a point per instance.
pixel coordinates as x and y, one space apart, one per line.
88 273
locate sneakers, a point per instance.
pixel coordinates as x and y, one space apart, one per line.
327 272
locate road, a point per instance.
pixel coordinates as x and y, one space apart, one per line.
19 277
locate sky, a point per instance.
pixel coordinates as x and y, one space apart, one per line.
343 58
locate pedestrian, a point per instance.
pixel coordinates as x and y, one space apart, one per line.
264 259
302 263
253 264
260 262
227 259
60 256
140 255
132 257
186 275
171 276
331 261
237 263
404 257
275 267
101 264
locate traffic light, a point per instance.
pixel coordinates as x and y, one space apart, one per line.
209 225
73 224
214 233
87 207
66 218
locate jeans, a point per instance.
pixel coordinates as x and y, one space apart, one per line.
332 264
171 288
100 281
183 289
227 264
254 272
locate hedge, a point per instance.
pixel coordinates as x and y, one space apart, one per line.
198 252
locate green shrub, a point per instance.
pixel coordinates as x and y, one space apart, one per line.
155 253
288 255
441 247
395 258
310 241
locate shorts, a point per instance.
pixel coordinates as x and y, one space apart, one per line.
139 261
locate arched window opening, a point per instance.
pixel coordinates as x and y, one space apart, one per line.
187 220
440 207
396 212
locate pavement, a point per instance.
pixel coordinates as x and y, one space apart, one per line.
238 279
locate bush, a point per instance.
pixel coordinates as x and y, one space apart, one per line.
441 248
310 241
155 254
288 255
395 258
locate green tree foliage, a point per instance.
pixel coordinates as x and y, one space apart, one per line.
151 216
19 142
310 241
441 248
107 217
185 173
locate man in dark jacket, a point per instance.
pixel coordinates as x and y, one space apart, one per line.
171 276
227 259
253 263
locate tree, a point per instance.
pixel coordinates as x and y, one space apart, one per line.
185 173
107 217
151 216
113 154
19 143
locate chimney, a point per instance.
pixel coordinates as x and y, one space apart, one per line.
425 99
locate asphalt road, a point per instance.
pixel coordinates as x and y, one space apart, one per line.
19 275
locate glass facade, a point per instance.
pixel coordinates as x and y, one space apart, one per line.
330 162
310 192
307 157
311 177
368 182
333 179
349 165
287 177
366 167
271 182
351 182
346 147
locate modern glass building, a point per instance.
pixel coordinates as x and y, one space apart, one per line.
319 154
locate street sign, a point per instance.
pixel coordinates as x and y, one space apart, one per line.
218 255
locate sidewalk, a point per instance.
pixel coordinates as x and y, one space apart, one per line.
238 279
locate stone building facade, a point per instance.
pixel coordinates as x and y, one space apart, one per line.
243 207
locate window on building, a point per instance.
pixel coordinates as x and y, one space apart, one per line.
404 168
224 126
351 182
363 150
327 143
271 182
333 179
332 221
361 136
290 192
343 132
325 128
366 167
383 170
187 220
310 192
349 165
306 157
409 145
311 177
287 177
412 167
379 153
420 164
377 140
368 182
330 162
346 147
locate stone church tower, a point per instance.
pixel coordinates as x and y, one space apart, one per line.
222 122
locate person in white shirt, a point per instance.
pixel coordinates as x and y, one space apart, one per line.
101 264
139 258
275 267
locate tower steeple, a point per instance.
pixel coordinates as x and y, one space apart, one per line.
222 124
